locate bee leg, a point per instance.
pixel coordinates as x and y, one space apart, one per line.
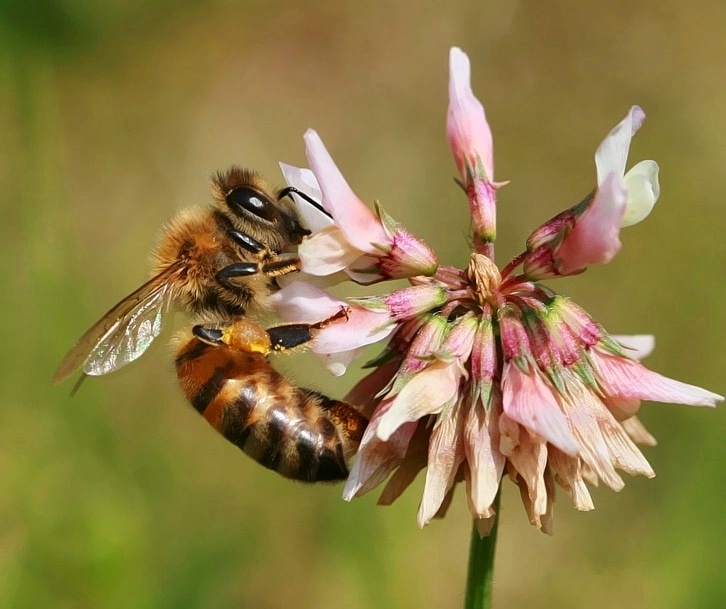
289 336
283 266
241 335
245 241
346 417
246 336
244 269
238 269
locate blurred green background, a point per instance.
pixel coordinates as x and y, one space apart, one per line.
113 115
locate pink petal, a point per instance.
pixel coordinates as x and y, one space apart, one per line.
625 378
482 198
595 237
419 350
365 393
624 454
426 393
604 444
612 154
303 303
621 408
365 270
467 129
411 464
460 339
376 459
529 401
410 301
400 480
363 327
304 180
361 227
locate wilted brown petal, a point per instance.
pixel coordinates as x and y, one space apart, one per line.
568 474
446 453
637 431
484 461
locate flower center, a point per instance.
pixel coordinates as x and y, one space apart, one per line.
484 280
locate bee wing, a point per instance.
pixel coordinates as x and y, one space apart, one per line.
125 332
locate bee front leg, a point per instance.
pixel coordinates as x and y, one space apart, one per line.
275 268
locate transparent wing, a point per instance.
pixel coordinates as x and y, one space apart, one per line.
125 332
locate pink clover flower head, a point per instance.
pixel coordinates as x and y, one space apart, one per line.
486 372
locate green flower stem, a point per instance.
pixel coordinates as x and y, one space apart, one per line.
480 579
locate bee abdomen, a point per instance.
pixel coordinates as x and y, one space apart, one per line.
298 433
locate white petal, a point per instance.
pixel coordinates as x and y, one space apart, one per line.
638 345
326 252
304 180
337 363
643 192
612 153
426 393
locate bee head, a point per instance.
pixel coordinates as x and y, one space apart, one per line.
247 198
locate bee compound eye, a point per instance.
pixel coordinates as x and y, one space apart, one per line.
251 201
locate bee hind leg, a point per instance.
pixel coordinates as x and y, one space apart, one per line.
289 336
247 336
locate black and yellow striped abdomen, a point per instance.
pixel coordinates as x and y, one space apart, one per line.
296 432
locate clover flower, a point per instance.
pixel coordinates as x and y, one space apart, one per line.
369 247
486 371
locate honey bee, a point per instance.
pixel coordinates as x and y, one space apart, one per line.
217 264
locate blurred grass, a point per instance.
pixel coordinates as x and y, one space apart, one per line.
112 117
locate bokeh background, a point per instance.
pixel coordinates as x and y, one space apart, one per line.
112 115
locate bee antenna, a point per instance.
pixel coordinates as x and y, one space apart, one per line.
287 192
